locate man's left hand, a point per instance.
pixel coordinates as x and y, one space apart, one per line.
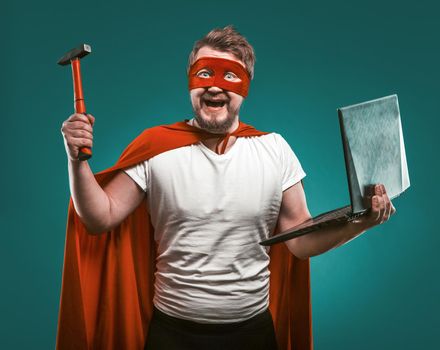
381 208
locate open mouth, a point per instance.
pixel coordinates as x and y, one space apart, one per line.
213 104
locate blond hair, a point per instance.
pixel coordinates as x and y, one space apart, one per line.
229 40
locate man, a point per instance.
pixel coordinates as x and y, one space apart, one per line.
210 200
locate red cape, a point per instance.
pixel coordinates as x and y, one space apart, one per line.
108 279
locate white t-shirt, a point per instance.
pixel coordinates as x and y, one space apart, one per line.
209 212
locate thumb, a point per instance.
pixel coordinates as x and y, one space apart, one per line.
375 207
91 119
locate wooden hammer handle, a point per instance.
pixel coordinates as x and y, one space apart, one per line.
80 107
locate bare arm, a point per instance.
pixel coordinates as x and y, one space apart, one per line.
294 211
100 209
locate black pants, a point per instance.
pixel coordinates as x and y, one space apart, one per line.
171 333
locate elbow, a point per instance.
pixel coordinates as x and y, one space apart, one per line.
301 256
94 228
93 231
297 249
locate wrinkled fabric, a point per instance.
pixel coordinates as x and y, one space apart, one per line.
108 279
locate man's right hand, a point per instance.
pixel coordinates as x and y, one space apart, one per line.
77 132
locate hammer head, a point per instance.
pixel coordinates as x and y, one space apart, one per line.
77 52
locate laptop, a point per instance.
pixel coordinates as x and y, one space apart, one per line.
374 153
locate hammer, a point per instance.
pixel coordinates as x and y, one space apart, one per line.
73 56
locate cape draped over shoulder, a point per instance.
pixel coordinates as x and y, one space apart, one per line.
108 279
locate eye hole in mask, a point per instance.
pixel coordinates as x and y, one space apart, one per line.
228 76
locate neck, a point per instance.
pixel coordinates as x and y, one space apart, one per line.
231 129
211 143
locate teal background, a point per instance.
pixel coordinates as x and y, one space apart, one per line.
380 291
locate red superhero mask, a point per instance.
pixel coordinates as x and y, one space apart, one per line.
217 69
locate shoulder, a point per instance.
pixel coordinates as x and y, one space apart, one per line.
282 144
284 150
274 140
149 142
279 139
157 133
153 131
269 138
273 137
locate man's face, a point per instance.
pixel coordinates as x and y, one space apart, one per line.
215 109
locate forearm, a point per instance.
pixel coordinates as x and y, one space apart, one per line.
325 239
91 202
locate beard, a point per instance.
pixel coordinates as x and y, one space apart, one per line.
214 125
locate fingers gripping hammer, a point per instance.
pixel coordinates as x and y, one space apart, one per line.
73 56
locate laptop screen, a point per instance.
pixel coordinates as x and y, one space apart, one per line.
373 148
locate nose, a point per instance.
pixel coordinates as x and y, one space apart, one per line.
214 89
